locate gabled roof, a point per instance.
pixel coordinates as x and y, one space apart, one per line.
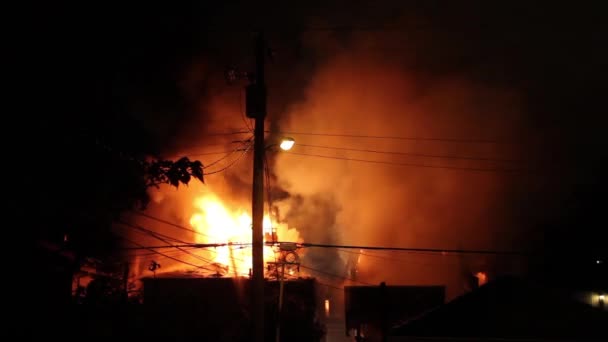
510 307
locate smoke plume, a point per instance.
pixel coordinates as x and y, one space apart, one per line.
427 202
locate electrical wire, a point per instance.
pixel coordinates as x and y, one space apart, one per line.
331 286
194 245
150 232
146 254
230 164
167 256
175 225
157 236
207 153
227 133
434 250
413 154
395 258
403 249
333 275
246 143
499 170
392 137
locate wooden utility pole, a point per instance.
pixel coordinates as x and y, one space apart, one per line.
280 309
256 109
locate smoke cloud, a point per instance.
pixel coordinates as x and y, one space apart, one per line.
421 205
359 84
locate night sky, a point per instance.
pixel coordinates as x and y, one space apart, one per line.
140 79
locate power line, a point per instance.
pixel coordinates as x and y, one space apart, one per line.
410 164
239 148
146 231
319 245
331 286
194 245
227 133
159 237
412 154
385 256
175 225
207 153
333 275
191 245
165 255
198 152
231 163
409 249
148 254
454 140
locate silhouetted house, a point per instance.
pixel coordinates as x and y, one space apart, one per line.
217 309
55 267
510 309
371 310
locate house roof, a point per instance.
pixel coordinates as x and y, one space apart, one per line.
510 307
368 304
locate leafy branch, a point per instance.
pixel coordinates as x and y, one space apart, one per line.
172 172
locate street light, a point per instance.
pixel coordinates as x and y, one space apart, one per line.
287 143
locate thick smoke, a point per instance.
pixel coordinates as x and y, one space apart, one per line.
350 86
360 92
216 107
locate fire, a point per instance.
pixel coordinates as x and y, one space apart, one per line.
482 278
217 223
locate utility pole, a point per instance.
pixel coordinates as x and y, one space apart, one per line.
290 258
280 311
256 109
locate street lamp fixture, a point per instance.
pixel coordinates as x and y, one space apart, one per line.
287 143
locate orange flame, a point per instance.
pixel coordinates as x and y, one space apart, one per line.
217 223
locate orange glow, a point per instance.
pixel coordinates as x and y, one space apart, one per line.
327 307
482 278
217 223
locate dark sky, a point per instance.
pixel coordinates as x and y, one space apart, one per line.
120 74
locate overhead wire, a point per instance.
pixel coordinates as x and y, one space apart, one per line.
175 225
181 247
167 256
150 232
226 133
333 275
388 257
194 245
474 169
207 153
443 251
245 143
394 137
383 137
161 238
410 249
146 254
331 286
230 164
412 154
